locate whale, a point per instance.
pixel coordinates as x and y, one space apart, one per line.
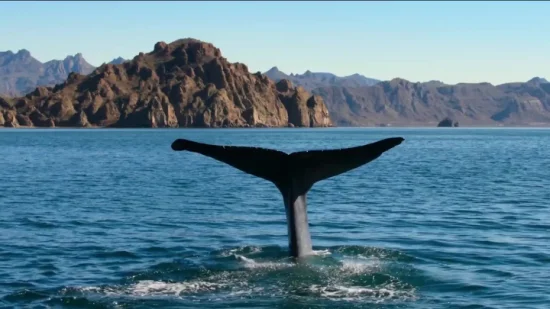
294 174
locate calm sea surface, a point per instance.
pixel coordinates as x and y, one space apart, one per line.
451 218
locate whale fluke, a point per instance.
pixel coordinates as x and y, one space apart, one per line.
294 174
317 165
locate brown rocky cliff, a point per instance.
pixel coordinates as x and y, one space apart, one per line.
303 109
186 83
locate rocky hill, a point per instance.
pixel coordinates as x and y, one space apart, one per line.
312 80
20 73
186 83
400 102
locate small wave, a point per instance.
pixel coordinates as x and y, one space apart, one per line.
371 252
25 296
116 254
78 223
155 249
495 272
48 273
38 224
48 267
78 302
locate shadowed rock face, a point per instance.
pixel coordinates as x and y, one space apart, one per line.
186 83
447 122
303 110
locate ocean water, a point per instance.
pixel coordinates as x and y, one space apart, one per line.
451 218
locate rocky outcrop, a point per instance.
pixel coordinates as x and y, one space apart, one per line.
186 83
447 122
303 109
10 119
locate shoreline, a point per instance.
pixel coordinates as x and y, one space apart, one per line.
545 126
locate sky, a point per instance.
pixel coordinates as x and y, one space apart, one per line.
452 42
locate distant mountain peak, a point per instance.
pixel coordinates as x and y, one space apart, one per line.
77 57
276 75
538 80
399 80
273 70
77 64
23 73
23 53
312 80
118 60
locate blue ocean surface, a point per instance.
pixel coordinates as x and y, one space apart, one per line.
105 218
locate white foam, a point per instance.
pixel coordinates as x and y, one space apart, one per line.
360 266
336 282
220 286
247 292
160 288
109 291
321 252
354 293
250 263
244 259
235 251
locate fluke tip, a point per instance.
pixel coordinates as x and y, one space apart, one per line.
180 144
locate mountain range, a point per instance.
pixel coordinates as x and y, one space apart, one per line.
21 73
353 100
310 80
187 83
403 103
357 100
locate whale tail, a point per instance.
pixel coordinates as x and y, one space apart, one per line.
293 174
278 167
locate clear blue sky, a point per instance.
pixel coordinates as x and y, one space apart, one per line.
419 41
